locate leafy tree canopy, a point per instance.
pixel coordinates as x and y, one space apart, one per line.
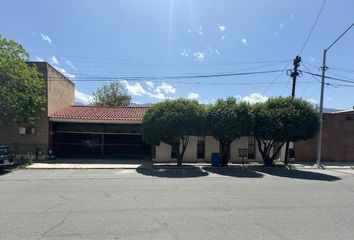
22 89
112 94
172 121
228 120
279 120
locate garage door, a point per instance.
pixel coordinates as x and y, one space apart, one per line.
116 146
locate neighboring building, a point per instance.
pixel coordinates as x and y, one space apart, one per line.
60 93
337 140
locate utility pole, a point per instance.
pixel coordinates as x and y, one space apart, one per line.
294 74
324 68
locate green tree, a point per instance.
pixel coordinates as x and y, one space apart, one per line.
172 122
227 121
22 89
279 120
111 94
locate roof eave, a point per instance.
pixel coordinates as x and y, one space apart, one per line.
94 121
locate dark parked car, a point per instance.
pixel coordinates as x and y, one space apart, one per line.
7 156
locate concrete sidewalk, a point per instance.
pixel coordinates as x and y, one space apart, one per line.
82 166
150 165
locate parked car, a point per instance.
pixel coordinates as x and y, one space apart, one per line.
7 156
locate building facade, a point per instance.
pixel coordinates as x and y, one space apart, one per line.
60 93
337 140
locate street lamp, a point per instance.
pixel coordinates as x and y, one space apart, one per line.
324 68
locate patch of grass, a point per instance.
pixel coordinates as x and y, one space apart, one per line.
284 166
23 166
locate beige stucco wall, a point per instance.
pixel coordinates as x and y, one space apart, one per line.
235 146
211 146
163 151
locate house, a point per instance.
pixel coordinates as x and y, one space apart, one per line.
337 140
60 93
102 132
98 132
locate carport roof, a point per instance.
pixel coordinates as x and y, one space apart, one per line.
96 113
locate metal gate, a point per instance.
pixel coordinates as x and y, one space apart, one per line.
90 145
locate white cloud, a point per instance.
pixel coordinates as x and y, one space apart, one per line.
292 15
39 59
193 96
222 38
185 53
134 89
149 84
159 95
222 28
83 97
160 92
68 62
217 52
244 41
312 101
200 31
53 60
65 73
282 25
199 56
166 89
46 38
254 98
312 59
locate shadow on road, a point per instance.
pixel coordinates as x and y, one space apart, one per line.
190 172
4 171
234 172
298 174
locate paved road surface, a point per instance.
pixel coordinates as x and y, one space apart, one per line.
176 204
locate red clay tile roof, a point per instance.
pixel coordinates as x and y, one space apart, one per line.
101 113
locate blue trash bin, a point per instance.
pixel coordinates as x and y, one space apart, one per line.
215 159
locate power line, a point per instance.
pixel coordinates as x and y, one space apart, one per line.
329 77
171 77
313 27
276 78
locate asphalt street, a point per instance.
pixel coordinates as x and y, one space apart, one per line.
177 204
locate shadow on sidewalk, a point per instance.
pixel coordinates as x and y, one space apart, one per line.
183 172
234 172
298 174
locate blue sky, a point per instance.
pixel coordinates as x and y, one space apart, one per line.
151 39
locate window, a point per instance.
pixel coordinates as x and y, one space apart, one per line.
201 147
26 130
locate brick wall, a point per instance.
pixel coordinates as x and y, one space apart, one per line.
59 94
337 141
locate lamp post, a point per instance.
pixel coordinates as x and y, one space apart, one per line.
324 68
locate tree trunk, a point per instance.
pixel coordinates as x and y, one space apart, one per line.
224 153
268 161
184 141
179 160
